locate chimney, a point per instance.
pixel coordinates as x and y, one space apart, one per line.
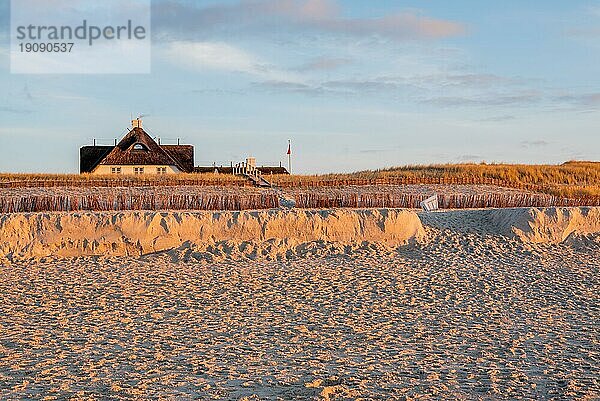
137 123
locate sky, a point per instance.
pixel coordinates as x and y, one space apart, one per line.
353 84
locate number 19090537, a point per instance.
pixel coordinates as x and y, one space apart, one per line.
50 47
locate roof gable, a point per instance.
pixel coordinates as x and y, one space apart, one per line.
125 153
183 154
91 156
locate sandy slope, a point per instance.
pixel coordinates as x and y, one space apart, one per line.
473 311
138 233
465 316
135 233
538 225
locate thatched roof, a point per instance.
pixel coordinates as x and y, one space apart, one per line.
137 148
126 152
184 154
90 156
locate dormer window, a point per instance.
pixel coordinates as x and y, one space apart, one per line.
139 146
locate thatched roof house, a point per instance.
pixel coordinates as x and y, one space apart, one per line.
137 153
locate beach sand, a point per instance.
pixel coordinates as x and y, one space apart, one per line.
480 306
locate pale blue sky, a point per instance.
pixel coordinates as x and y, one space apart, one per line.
353 84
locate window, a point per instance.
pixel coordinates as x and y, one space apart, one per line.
139 146
115 170
138 170
161 170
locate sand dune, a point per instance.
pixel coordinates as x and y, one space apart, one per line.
301 305
537 225
138 233
272 232
467 314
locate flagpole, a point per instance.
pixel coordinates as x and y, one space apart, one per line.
289 156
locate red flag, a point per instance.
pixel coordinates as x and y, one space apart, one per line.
289 152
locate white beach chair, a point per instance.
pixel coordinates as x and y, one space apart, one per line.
430 203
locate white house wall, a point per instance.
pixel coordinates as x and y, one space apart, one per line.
129 169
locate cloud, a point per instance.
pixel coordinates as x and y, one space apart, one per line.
471 80
342 87
218 91
177 20
222 57
588 99
579 101
377 151
367 85
444 91
488 99
518 98
592 99
440 90
214 55
538 143
401 26
324 64
505 117
437 89
469 158
295 87
458 82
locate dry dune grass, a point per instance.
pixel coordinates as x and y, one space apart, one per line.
570 173
89 180
569 184
568 179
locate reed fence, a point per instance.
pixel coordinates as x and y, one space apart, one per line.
116 202
453 201
121 202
